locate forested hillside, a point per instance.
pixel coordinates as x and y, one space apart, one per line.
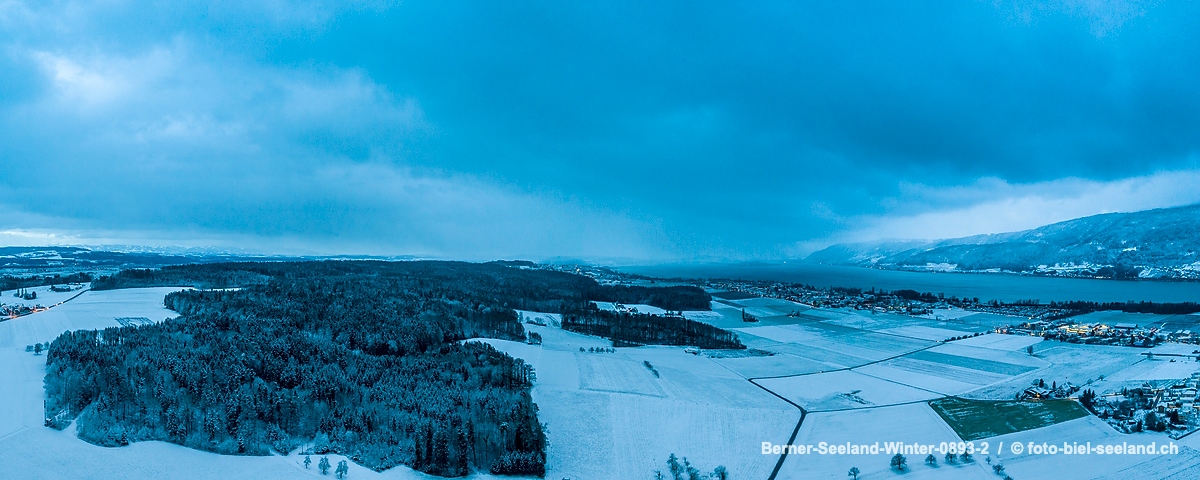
362 358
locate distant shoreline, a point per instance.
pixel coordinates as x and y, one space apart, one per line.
997 286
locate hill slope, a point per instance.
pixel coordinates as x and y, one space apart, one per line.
1160 243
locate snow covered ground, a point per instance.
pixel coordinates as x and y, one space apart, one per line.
552 319
1091 429
630 307
843 390
610 417
904 423
45 296
619 415
92 310
1001 342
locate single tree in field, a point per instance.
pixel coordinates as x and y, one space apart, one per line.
950 458
853 473
324 466
965 457
307 461
657 473
931 460
899 462
342 470
720 473
37 349
998 468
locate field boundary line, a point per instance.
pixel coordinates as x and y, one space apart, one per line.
848 368
795 431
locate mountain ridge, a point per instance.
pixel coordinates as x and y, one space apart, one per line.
1162 243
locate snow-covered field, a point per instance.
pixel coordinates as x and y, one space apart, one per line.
631 307
610 417
903 423
1001 342
1158 368
619 415
92 310
844 389
1062 362
552 319
45 296
1094 430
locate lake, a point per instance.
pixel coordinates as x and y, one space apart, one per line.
966 285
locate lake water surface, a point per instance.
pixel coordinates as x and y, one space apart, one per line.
969 285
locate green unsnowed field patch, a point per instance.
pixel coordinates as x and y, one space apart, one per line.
976 419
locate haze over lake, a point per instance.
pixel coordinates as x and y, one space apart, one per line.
984 286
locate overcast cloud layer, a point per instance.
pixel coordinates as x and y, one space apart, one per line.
650 131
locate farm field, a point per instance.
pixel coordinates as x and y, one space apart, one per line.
45 296
844 390
1157 368
904 423
979 419
92 310
1063 362
1094 430
553 319
694 408
1001 342
935 377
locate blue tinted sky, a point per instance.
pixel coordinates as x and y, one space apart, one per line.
637 131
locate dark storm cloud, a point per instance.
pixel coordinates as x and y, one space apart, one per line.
642 130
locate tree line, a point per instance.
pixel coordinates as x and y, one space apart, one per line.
9 282
1182 308
626 329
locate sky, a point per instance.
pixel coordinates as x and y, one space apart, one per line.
626 132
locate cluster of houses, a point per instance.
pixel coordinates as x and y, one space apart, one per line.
1174 407
1039 391
8 311
1125 334
1181 395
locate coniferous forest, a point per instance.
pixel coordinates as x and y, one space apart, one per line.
366 359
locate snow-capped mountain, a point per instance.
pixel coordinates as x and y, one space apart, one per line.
1160 243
